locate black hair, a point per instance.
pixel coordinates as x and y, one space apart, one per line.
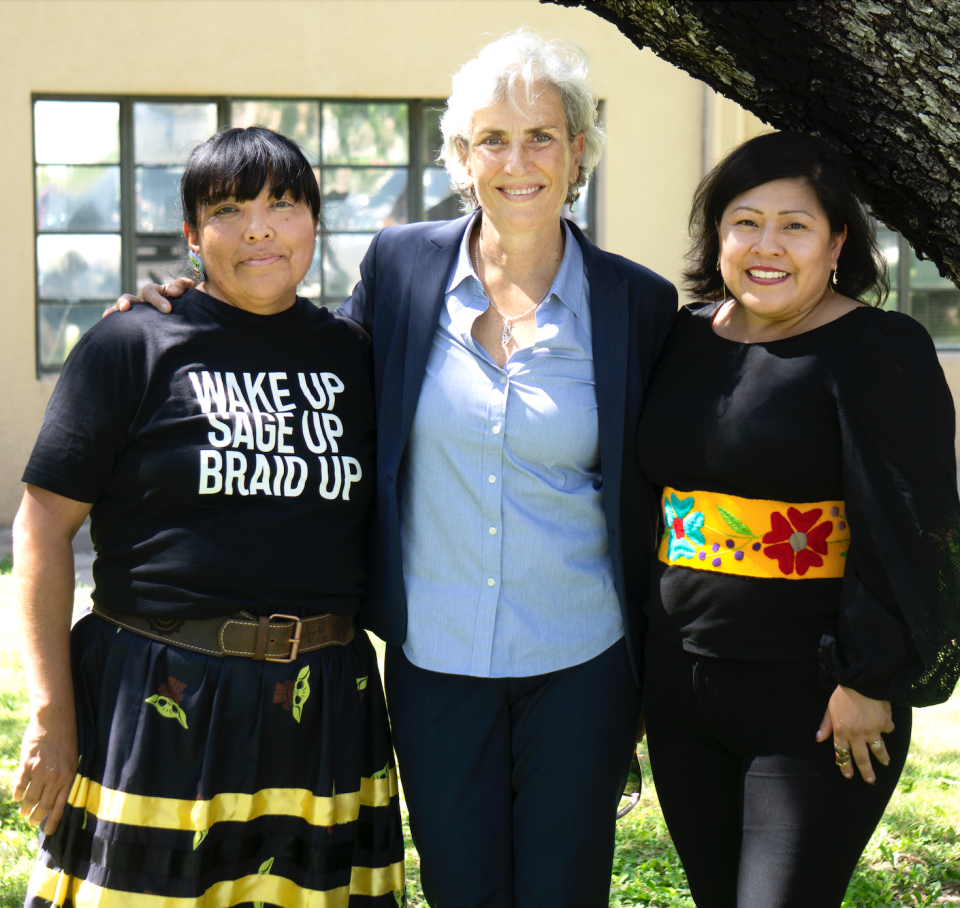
238 163
861 268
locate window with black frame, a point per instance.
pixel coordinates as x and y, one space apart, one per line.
107 172
917 288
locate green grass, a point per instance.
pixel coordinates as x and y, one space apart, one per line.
912 860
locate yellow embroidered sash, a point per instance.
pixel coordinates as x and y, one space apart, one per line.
753 537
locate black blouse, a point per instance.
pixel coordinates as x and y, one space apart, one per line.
856 410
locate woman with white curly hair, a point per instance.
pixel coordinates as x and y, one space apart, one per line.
511 357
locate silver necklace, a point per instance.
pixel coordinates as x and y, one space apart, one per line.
507 322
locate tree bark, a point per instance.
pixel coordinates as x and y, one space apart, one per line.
877 79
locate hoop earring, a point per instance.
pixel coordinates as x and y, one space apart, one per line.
197 264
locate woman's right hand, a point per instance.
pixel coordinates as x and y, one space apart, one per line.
154 294
49 756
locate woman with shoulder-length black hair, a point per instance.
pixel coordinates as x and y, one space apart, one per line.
215 732
807 581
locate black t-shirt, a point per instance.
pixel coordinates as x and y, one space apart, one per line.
857 411
229 457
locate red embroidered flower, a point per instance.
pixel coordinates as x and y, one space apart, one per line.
797 539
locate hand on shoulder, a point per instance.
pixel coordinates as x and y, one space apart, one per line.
154 294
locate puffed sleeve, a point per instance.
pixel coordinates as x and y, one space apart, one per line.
898 632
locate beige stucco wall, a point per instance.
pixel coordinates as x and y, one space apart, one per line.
380 48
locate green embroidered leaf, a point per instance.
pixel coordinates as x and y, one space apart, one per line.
167 707
118 630
266 865
333 793
198 837
84 826
399 895
735 523
301 691
844 554
381 773
362 682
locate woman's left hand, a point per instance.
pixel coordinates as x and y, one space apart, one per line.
857 723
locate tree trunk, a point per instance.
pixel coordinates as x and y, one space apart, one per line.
877 79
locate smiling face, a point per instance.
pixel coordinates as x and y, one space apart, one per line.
255 252
777 250
522 162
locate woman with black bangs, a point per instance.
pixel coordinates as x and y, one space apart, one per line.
215 731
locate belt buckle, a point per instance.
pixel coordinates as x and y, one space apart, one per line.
294 641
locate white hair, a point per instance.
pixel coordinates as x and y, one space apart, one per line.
521 61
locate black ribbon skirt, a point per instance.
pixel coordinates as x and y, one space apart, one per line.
219 782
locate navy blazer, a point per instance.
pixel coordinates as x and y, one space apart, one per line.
402 286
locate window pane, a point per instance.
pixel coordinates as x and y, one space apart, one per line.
365 134
441 201
76 132
341 263
161 259
432 139
73 267
167 133
158 199
934 301
889 242
297 120
365 199
78 198
60 326
939 312
310 285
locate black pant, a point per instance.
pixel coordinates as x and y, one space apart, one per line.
513 783
759 812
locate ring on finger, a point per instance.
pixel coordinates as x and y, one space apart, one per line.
876 745
843 754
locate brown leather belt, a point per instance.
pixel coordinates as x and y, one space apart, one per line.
277 638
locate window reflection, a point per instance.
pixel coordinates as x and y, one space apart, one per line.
76 132
158 199
74 198
364 199
341 263
441 201
297 120
365 134
60 326
167 133
78 266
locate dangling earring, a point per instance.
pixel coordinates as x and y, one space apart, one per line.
726 293
573 201
197 265
833 277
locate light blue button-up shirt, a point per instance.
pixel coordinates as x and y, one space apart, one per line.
506 564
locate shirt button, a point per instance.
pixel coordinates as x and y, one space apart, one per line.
491 478
491 581
492 531
503 380
496 430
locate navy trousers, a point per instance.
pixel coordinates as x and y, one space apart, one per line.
513 783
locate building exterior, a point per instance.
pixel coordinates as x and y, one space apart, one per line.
104 98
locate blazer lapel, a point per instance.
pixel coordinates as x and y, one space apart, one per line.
610 319
425 299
